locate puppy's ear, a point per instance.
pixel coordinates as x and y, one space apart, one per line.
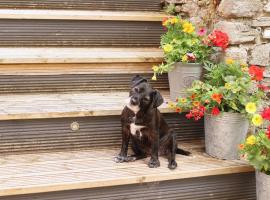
136 80
157 99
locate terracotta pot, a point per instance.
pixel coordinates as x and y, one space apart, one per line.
223 134
181 78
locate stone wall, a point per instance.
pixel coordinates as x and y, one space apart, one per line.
247 22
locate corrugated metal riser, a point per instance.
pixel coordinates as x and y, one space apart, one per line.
130 5
224 187
95 132
73 82
79 33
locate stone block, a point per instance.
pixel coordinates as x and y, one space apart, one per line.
237 53
266 33
267 7
238 32
260 55
239 8
261 21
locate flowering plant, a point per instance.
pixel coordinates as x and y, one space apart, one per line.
256 148
228 87
183 43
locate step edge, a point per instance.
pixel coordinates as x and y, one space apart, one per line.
50 14
83 55
125 181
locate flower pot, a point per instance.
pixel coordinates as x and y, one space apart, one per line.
181 78
223 134
263 186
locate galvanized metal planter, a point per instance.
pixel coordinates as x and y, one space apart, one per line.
181 78
263 186
224 133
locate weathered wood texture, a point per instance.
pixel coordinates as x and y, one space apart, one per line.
80 15
221 187
35 106
74 83
45 135
79 55
47 172
78 33
133 5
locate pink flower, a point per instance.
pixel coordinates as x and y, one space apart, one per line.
201 31
191 57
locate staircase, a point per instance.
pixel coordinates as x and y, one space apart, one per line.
65 68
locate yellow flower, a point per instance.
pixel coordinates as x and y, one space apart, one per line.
257 120
174 20
228 86
155 68
243 65
171 105
251 107
182 100
188 27
154 78
185 58
167 48
251 140
244 69
229 61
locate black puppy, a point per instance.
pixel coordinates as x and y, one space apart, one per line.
145 126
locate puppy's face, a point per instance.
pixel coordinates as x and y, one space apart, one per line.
143 96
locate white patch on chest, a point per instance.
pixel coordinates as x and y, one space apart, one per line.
135 128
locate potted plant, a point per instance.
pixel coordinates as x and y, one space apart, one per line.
256 149
228 97
185 49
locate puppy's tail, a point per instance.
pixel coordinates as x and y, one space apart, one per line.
183 152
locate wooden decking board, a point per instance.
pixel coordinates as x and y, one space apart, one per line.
47 172
36 106
80 15
79 55
82 68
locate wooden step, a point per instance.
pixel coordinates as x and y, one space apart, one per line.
95 169
122 5
42 122
54 78
79 55
80 15
41 106
39 28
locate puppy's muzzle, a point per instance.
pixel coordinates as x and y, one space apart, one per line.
134 101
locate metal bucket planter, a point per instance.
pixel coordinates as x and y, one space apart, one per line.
263 186
224 133
181 78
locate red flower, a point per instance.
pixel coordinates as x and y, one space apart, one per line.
219 39
193 96
178 110
263 87
268 132
256 72
215 111
217 97
266 114
196 113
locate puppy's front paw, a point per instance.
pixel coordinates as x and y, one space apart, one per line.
121 159
153 163
172 164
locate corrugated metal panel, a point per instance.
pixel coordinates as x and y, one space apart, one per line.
129 5
95 132
73 82
79 33
224 187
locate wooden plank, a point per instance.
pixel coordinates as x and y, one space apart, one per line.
38 106
48 172
69 68
79 55
80 15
